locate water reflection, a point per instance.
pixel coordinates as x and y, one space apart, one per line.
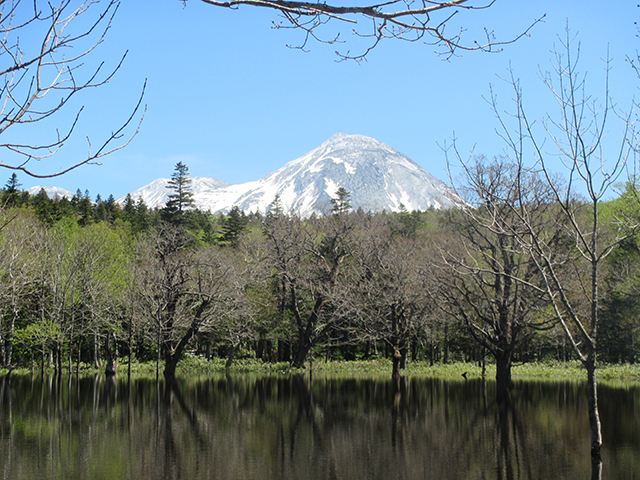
274 427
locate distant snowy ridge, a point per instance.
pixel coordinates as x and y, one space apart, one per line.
156 194
52 192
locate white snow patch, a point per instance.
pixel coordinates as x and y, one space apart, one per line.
350 169
331 187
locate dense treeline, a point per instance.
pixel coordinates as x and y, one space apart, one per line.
82 281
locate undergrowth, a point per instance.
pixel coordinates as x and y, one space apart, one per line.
380 368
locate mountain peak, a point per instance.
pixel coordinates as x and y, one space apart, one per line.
358 142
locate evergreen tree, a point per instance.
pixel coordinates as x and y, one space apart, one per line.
12 186
99 209
181 197
341 202
83 207
11 195
234 224
43 206
129 208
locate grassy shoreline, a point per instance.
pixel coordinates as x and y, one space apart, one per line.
379 368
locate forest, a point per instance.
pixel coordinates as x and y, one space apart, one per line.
91 282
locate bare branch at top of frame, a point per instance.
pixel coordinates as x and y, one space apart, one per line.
424 20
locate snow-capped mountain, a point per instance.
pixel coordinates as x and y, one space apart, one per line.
52 192
156 194
377 177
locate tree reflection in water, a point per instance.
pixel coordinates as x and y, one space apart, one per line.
276 427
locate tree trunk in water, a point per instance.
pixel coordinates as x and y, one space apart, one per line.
503 375
395 374
170 368
96 360
70 356
594 415
397 360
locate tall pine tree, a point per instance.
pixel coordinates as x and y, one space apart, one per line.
181 197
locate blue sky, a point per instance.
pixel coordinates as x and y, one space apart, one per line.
228 98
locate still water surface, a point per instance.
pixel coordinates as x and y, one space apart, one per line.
246 427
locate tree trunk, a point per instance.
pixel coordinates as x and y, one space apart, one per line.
96 361
503 374
594 415
304 347
445 358
260 348
404 353
9 341
306 333
170 365
172 359
110 369
284 351
396 362
232 352
130 348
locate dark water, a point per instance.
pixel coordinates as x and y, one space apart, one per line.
287 428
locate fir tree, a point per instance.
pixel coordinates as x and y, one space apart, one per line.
12 186
341 202
182 197
234 224
11 195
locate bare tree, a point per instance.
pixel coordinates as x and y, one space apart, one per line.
306 259
576 137
45 48
490 282
386 289
183 291
423 20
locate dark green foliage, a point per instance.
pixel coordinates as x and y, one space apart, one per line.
233 225
11 194
181 198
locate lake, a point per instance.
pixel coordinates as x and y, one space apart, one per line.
247 427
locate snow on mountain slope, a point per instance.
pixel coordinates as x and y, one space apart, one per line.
156 193
377 177
52 192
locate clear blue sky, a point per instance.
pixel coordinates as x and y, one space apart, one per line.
228 98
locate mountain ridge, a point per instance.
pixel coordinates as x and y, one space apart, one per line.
376 176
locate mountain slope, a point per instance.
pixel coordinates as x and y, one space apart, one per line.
52 192
377 177
156 193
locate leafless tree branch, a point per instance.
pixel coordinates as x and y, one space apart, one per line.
35 67
409 20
